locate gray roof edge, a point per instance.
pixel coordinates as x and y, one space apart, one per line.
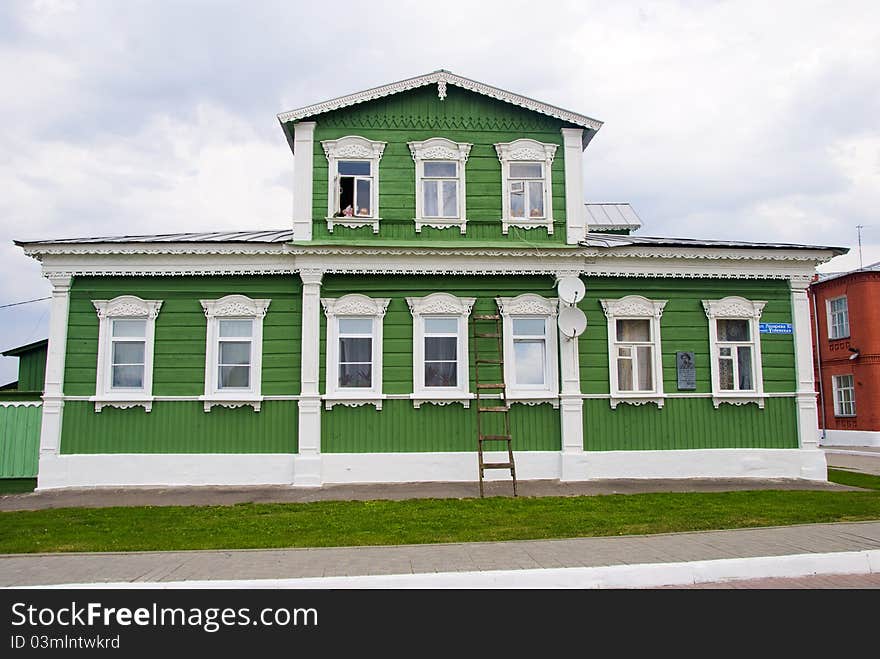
649 241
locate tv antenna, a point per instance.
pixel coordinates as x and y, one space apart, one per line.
859 228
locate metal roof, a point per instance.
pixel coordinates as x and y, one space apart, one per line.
616 240
441 78
826 276
15 352
612 216
269 236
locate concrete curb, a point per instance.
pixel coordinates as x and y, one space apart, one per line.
648 575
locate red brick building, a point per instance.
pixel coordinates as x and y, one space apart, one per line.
845 308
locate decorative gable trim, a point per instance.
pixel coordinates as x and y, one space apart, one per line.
440 303
235 305
528 303
127 306
633 306
442 79
733 307
355 304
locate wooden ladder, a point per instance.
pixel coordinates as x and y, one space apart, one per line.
496 386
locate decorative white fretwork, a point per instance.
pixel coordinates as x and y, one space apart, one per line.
520 151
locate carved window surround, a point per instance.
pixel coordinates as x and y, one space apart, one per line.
353 147
440 149
124 307
354 306
441 305
735 307
530 306
233 307
635 307
526 151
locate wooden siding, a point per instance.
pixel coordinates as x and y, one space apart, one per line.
398 428
684 327
19 440
689 423
32 370
179 358
180 427
419 115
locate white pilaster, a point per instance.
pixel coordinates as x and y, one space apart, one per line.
808 423
307 469
303 154
53 403
571 412
575 213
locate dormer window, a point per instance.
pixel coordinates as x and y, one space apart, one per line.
527 199
353 182
440 192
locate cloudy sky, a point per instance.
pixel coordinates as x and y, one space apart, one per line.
742 120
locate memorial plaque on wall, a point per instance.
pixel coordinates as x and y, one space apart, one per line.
687 370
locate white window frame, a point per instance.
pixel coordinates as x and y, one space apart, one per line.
233 307
830 318
124 307
441 305
353 305
442 150
352 147
635 307
838 404
530 305
736 308
526 151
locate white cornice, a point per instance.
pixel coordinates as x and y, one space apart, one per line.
441 79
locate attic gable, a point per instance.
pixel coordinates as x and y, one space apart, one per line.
442 79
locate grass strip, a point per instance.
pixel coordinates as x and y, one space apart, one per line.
854 479
348 523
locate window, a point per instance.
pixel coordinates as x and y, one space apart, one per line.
844 395
234 351
735 350
634 350
530 347
440 348
440 183
526 184
354 349
838 318
126 330
353 182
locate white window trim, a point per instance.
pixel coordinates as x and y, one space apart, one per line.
356 305
635 307
526 150
836 387
133 308
735 307
440 305
353 147
529 305
232 307
440 148
828 317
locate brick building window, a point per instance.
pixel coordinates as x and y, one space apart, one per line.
844 395
838 318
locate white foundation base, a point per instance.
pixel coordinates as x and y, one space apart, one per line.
105 470
851 438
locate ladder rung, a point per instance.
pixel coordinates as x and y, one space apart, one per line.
486 317
493 409
495 438
491 385
488 361
484 335
498 465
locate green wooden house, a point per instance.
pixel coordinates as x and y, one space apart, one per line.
20 414
340 347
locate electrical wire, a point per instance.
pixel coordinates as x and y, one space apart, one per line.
15 304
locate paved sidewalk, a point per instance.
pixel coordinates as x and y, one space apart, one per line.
821 540
857 458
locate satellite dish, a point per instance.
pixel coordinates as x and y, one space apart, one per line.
571 289
572 322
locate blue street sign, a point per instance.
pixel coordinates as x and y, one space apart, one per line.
775 328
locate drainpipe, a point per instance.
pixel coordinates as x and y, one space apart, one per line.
819 359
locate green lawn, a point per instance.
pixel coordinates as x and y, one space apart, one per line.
339 523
